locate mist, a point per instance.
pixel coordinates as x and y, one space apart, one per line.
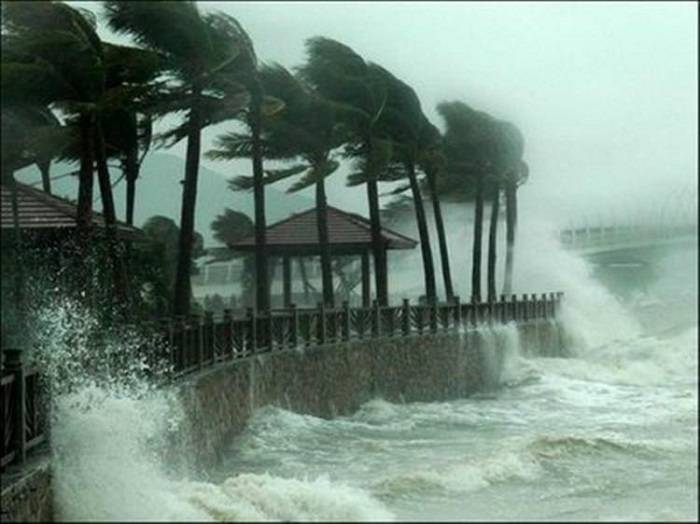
604 93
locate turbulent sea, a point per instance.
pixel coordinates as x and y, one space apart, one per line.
609 433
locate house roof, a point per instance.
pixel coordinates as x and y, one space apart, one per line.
348 233
40 211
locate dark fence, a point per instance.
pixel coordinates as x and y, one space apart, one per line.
196 342
23 409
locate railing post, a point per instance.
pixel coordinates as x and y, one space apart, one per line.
544 305
210 338
557 307
227 321
294 335
346 320
533 306
376 319
503 314
433 312
166 326
514 308
252 330
182 354
457 319
321 323
14 365
524 308
406 317
269 335
199 339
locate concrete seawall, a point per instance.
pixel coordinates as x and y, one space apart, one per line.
335 379
325 381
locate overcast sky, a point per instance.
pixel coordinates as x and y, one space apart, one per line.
605 93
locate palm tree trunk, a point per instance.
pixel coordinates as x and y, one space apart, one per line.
131 173
85 182
110 218
476 247
511 224
442 239
19 280
426 252
45 170
378 250
261 262
322 226
181 304
493 233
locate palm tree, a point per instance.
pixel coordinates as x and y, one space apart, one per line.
342 76
53 48
405 122
468 144
516 173
61 44
432 163
201 53
306 131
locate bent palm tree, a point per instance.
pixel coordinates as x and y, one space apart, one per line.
340 75
306 131
201 51
468 142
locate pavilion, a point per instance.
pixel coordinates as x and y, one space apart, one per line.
348 234
48 217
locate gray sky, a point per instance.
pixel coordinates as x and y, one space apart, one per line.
604 92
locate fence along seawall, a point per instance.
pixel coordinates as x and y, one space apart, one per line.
197 343
320 361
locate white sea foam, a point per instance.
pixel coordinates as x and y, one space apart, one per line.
254 497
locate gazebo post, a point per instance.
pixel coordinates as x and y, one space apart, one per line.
365 279
287 280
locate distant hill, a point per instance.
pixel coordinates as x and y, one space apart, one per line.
159 192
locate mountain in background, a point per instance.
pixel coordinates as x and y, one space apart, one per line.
159 192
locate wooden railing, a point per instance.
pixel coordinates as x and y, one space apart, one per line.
197 342
194 343
23 409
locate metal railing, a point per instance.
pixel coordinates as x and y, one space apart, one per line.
193 343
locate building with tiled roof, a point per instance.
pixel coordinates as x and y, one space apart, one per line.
40 212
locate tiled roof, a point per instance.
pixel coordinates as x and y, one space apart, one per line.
347 229
41 211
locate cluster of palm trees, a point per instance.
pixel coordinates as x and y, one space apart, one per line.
68 95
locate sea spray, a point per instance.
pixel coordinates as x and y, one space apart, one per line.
501 356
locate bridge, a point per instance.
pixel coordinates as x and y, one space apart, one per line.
627 244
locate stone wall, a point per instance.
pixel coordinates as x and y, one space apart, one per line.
26 491
335 379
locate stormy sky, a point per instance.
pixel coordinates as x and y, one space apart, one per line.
605 93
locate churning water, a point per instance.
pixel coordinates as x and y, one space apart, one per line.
609 433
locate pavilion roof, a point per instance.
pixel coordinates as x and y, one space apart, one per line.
40 211
348 233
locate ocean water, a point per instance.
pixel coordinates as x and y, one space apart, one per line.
608 433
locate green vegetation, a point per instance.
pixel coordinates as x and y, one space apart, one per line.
69 96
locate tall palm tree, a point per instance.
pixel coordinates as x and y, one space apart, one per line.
404 122
432 163
342 76
200 51
468 144
515 173
306 131
61 43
